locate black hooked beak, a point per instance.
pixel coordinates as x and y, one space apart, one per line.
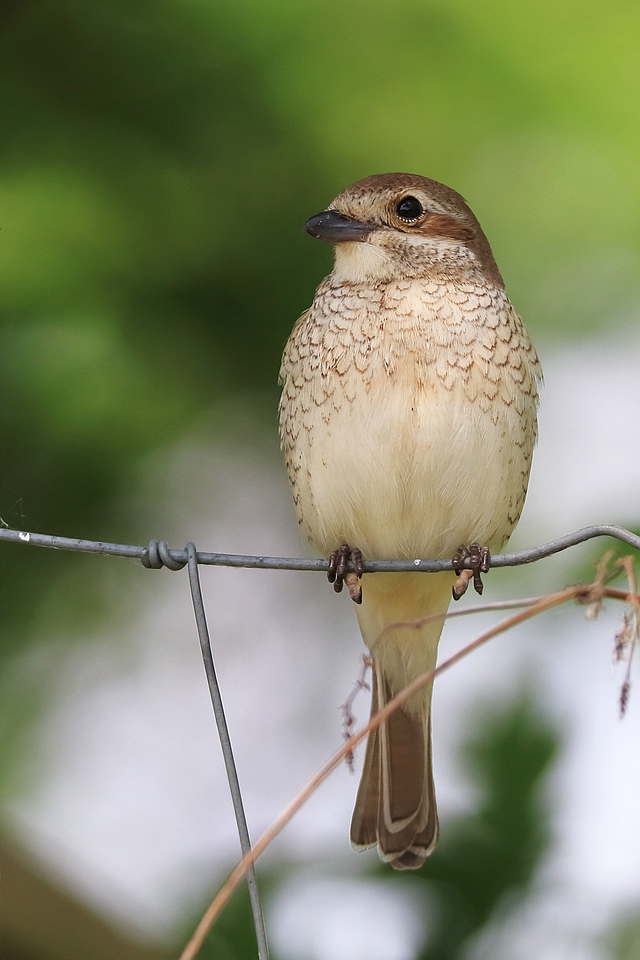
335 228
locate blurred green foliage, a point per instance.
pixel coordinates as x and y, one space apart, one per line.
625 939
157 161
150 256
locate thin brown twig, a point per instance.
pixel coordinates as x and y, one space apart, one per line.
450 614
628 596
633 628
465 612
603 575
348 719
361 684
494 605
232 881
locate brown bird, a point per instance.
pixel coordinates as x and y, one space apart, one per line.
408 421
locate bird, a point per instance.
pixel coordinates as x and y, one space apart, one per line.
408 419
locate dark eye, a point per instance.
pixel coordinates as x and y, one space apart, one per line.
409 209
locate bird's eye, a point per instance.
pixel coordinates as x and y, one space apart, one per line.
409 209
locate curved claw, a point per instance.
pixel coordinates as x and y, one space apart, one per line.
338 572
459 557
479 562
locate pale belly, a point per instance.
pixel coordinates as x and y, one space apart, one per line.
406 471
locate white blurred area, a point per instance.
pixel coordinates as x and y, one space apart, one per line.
128 804
346 919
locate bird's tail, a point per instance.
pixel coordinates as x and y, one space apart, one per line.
396 804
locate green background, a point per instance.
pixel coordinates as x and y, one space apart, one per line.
157 162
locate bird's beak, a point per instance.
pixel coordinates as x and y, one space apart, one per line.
336 228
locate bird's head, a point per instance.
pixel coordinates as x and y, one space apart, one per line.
396 225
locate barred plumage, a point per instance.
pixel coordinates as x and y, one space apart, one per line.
408 421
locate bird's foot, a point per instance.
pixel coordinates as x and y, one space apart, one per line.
479 559
339 574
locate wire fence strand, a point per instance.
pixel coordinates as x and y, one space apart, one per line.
177 559
227 751
157 554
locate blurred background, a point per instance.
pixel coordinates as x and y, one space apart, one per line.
157 162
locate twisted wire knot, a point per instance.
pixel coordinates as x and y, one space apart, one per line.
157 555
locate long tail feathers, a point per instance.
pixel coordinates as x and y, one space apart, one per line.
396 805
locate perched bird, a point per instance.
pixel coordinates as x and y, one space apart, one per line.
408 421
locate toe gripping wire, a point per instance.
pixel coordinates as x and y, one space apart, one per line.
158 555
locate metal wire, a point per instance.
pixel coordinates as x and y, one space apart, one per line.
227 752
157 554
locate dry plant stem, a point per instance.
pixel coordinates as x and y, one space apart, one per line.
627 564
628 596
477 608
348 718
234 878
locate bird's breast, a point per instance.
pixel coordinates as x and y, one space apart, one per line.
408 417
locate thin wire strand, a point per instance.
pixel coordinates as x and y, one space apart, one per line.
225 743
298 563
